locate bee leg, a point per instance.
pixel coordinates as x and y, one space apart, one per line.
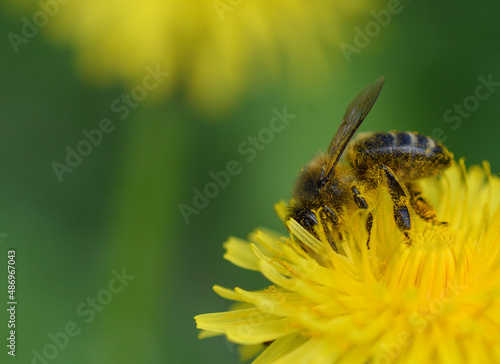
400 199
422 207
329 215
361 202
309 221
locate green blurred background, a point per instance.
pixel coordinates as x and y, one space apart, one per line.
119 208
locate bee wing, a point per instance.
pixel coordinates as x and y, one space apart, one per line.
353 117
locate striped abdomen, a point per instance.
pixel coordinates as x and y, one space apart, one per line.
409 155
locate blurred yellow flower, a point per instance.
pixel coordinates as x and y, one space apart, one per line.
434 301
213 50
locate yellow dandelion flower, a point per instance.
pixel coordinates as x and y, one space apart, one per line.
434 301
213 50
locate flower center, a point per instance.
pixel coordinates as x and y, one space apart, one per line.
435 237
436 259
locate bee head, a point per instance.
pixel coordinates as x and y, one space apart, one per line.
311 180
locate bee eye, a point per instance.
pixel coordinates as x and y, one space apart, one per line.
309 219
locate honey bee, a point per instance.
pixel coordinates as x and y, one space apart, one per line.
335 182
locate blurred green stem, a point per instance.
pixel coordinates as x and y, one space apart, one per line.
143 235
